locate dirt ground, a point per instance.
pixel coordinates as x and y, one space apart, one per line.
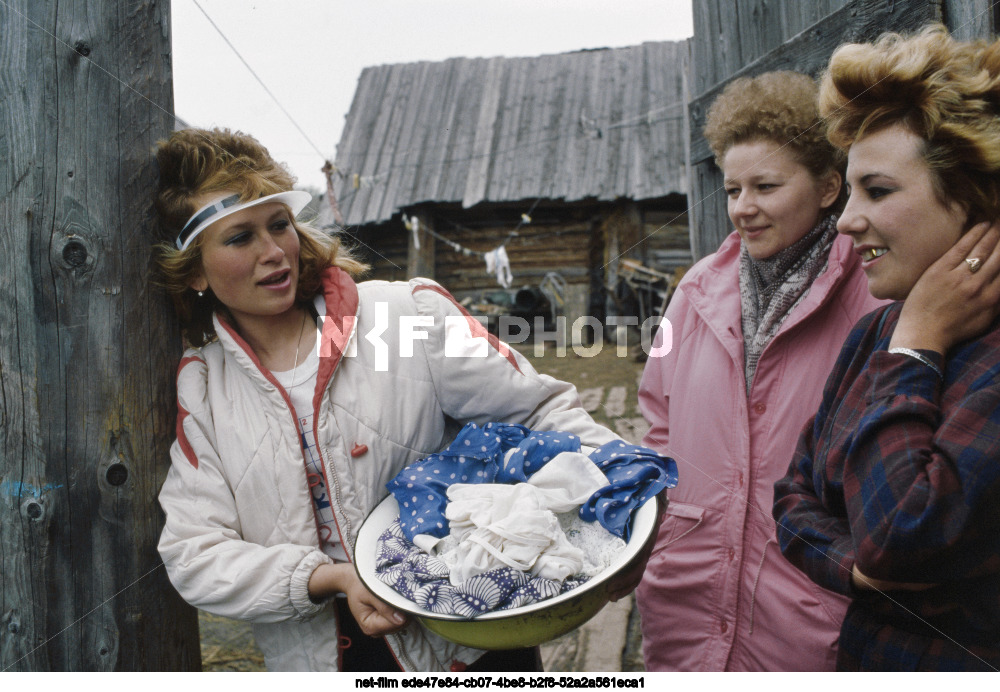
227 645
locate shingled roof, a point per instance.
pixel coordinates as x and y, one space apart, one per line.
595 124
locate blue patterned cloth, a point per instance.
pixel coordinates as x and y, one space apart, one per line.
635 474
423 579
502 453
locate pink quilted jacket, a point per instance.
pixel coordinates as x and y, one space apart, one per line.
717 593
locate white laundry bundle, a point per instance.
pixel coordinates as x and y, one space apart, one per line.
501 525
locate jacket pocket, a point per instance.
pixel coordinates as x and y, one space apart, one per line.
679 520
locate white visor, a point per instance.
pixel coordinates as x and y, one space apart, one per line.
228 203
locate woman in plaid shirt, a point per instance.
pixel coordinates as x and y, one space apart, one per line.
893 495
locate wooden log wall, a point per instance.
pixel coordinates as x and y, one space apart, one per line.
667 243
385 248
564 243
89 350
735 38
537 249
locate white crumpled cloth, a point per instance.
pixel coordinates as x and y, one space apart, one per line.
497 525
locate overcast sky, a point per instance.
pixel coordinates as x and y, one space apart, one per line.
310 53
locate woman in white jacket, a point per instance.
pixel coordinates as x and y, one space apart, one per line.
302 395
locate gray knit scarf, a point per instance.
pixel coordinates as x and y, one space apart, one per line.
771 288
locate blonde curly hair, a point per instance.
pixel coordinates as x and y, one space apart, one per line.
195 162
775 106
947 92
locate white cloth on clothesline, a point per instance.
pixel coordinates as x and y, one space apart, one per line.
498 262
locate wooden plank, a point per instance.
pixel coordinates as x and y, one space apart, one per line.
553 94
350 142
640 165
403 165
573 70
676 119
391 145
428 111
588 140
359 138
665 101
797 16
710 220
730 40
89 350
498 184
760 28
435 147
383 121
656 152
527 138
463 132
617 138
502 184
694 213
704 58
585 142
971 19
489 108
605 114
23 477
402 170
452 153
631 84
531 138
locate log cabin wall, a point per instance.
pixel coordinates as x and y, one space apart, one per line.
577 241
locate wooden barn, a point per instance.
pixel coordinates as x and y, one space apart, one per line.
573 164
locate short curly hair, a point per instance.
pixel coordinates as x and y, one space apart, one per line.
775 106
195 162
946 92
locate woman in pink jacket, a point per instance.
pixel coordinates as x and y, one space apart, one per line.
756 328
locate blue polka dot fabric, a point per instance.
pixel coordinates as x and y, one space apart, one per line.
635 474
423 579
477 455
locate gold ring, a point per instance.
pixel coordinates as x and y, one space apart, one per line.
974 264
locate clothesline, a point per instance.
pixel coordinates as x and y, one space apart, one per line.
497 261
413 225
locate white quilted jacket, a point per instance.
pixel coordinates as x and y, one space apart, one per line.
241 539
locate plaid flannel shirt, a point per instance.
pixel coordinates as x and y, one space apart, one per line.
899 472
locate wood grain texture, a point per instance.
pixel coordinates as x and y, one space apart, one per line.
89 349
569 127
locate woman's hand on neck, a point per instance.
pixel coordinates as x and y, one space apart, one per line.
949 303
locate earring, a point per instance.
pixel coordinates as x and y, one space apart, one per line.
201 294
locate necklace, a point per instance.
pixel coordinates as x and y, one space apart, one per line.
305 314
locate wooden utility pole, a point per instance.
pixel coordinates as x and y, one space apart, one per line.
88 348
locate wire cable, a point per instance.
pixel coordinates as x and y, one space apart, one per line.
259 80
